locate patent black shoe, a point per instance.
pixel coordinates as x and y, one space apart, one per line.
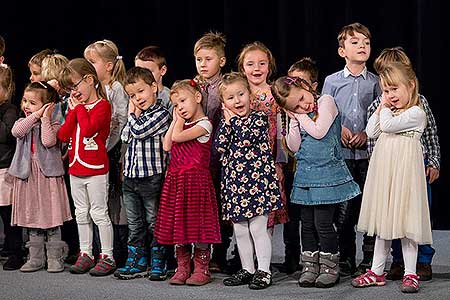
14 262
261 280
240 278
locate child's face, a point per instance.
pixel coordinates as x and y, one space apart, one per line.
256 67
186 103
35 71
157 72
356 48
236 97
102 67
299 101
142 94
398 95
305 75
208 62
31 102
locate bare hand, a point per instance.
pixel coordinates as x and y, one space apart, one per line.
432 174
131 107
359 140
290 114
73 102
40 112
227 114
49 108
346 136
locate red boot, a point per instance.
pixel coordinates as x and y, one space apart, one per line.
183 271
201 275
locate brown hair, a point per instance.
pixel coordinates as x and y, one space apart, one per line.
306 64
211 40
230 78
83 68
350 30
389 55
152 53
261 47
39 57
109 52
397 73
136 73
46 91
7 80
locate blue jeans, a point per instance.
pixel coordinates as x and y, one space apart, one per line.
426 252
141 199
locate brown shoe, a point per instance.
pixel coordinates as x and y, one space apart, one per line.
396 271
424 271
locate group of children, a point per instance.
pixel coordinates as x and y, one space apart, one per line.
183 169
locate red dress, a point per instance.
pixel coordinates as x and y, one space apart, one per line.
188 207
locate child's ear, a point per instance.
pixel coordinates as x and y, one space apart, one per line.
222 61
198 97
163 70
341 52
314 85
154 87
109 66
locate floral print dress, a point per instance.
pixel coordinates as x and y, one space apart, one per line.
249 181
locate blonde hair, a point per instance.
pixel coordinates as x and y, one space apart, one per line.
261 47
389 55
83 68
7 80
185 84
349 30
397 73
52 66
109 52
211 40
230 78
39 57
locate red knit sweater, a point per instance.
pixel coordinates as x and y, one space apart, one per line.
86 129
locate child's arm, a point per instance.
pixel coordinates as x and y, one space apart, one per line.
24 125
326 114
373 127
167 142
49 130
222 139
431 138
90 124
148 125
69 126
293 138
179 135
119 99
256 128
6 124
408 120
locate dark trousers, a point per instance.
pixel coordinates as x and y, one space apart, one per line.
13 234
318 229
348 214
291 229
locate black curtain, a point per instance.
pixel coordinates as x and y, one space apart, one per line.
291 29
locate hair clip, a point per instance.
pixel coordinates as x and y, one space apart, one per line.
192 83
291 80
4 65
118 57
42 84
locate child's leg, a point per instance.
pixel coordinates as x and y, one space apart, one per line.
97 190
35 245
202 256
309 237
381 252
56 250
13 240
262 242
245 245
410 250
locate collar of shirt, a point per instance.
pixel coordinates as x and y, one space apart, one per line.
213 81
348 73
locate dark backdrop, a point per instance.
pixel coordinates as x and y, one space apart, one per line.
291 29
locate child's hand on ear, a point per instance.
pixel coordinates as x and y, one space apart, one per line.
48 111
290 114
131 107
227 114
40 112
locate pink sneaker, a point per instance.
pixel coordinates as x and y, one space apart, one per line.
369 279
410 284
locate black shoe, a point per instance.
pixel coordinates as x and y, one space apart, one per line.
396 271
424 271
362 268
261 280
240 278
232 266
346 268
14 262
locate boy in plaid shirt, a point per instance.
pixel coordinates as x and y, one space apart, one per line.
144 169
432 156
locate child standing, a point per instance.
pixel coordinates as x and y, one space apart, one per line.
152 58
249 184
40 201
144 168
188 208
353 89
12 245
104 56
86 130
321 178
432 154
209 53
257 63
394 203
306 69
35 64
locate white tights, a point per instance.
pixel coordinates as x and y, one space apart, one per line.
252 236
381 251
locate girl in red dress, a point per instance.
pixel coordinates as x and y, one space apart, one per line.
188 209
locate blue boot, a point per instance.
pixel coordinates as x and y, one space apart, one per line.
136 265
158 271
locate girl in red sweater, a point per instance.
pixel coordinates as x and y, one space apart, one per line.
86 129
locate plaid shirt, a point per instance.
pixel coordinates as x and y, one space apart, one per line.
429 139
145 154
